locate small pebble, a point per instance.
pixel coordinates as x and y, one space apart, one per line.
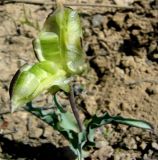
143 145
97 20
155 145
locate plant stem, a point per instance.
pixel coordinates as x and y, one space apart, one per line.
74 108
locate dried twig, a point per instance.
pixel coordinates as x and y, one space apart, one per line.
4 113
2 133
22 1
66 4
141 81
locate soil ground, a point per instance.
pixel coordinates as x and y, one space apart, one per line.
120 41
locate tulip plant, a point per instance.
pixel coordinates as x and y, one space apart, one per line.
60 57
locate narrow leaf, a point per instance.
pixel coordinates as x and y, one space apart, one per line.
96 122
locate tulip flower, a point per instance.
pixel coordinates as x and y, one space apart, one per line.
60 55
30 81
60 41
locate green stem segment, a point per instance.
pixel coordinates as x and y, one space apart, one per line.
74 108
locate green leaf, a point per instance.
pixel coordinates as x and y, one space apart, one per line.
67 120
134 123
96 122
106 118
65 123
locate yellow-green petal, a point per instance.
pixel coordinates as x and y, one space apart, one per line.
33 80
60 41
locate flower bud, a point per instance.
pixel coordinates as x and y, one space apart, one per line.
60 54
60 41
30 81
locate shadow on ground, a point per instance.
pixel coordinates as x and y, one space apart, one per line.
19 150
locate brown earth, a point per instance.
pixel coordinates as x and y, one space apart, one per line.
122 52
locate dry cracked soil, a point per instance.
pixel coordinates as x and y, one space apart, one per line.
121 44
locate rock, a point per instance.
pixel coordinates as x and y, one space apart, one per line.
35 132
100 61
130 143
145 157
124 3
150 152
101 36
155 56
141 53
91 105
104 153
138 139
120 72
101 144
155 145
86 23
119 19
19 134
153 46
9 136
97 20
143 145
87 32
47 132
128 62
